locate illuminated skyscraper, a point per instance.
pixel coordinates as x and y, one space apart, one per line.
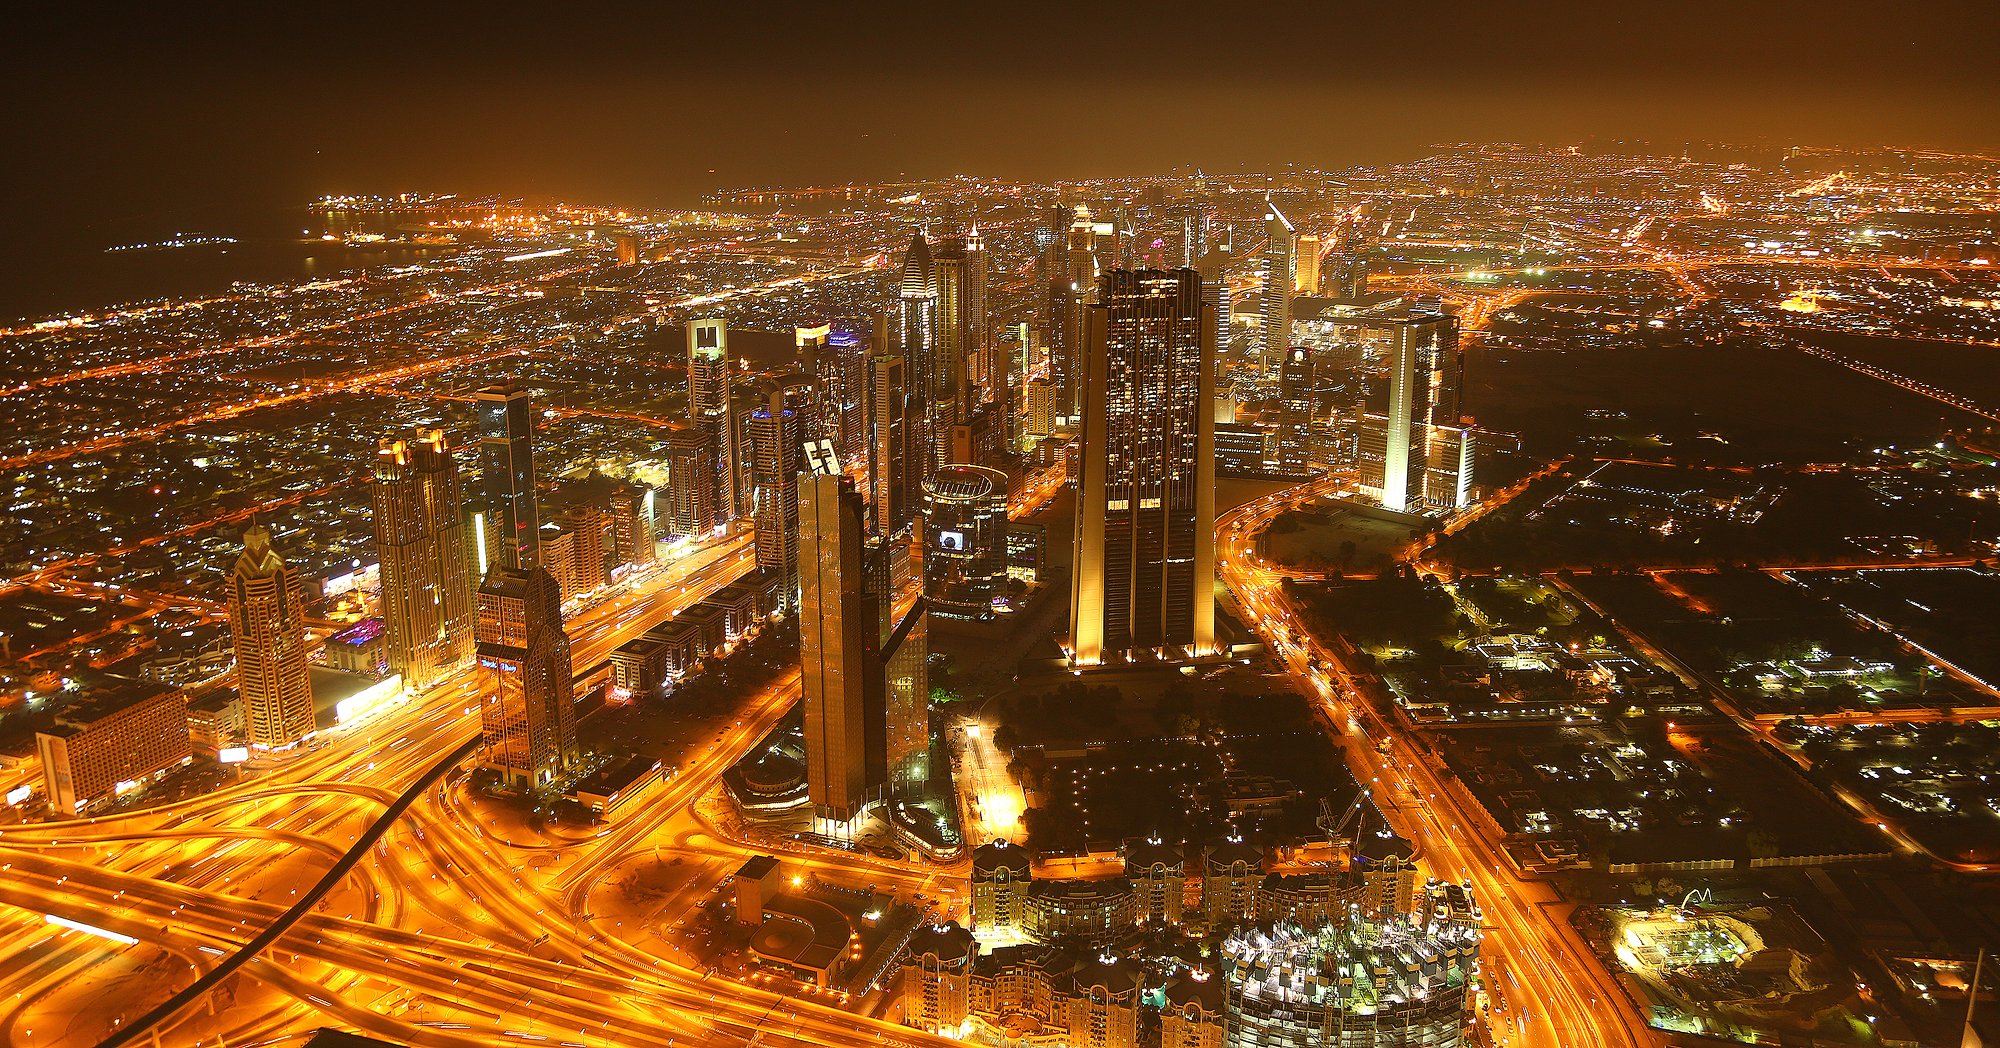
507 473
427 584
978 337
951 280
691 508
1295 412
1307 279
708 407
267 625
965 541
632 525
1425 456
902 670
894 453
776 459
837 646
1144 576
846 380
1213 265
816 360
1280 262
528 721
1068 298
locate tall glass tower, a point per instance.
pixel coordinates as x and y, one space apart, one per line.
1144 575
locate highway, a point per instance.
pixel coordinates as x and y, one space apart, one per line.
1558 994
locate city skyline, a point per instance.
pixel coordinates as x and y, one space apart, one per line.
1210 527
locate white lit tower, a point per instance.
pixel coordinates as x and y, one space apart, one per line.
708 371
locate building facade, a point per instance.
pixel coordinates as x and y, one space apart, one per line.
708 371
267 626
1295 412
837 645
507 473
965 542
427 608
1144 564
777 456
1280 276
111 744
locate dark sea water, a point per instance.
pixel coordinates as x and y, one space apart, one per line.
74 272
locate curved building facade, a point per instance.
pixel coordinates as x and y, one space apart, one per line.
1357 983
965 541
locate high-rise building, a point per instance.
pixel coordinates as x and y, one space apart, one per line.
1423 457
691 506
507 473
846 375
427 585
1213 266
931 376
628 247
903 671
1280 275
589 531
528 721
965 541
1306 281
632 524
951 284
777 450
1069 297
1144 574
1042 416
837 646
110 742
895 453
1353 276
815 351
1295 412
992 376
709 408
267 624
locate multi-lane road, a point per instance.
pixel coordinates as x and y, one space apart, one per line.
1553 989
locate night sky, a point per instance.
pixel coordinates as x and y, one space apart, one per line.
123 117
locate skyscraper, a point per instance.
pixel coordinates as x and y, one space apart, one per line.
951 281
846 380
978 336
817 361
776 451
1144 575
708 407
1307 280
965 541
427 584
1424 457
893 448
1295 412
267 626
1280 262
507 472
902 682
691 508
1213 265
632 525
528 721
1075 288
837 646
